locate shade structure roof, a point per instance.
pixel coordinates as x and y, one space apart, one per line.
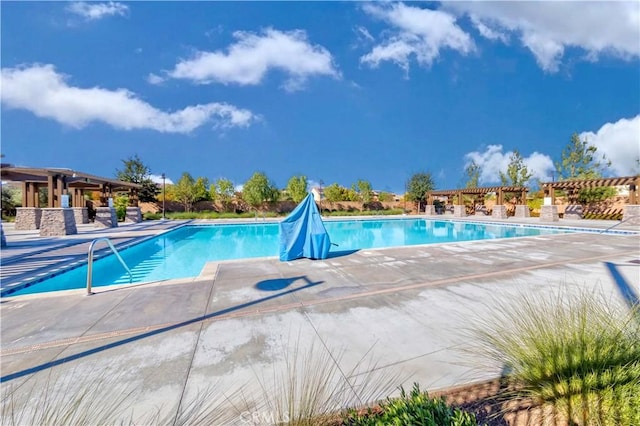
73 178
592 183
483 190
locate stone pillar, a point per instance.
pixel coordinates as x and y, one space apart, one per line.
3 239
57 221
573 211
549 214
106 217
499 211
522 211
28 218
631 214
81 214
459 211
133 215
430 210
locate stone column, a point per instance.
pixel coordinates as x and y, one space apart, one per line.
549 214
28 218
459 211
522 211
573 211
81 214
57 221
499 211
631 214
430 210
133 215
106 217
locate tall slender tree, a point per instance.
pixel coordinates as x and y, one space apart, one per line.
517 173
135 171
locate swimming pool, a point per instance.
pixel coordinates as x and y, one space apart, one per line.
183 252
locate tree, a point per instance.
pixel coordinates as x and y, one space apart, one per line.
472 173
184 191
517 172
258 190
365 193
385 197
135 171
580 160
364 190
333 193
418 186
223 190
297 188
201 190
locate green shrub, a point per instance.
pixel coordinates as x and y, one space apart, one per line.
417 408
577 355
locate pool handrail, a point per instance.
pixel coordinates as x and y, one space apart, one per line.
90 261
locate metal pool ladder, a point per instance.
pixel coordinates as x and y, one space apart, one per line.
90 261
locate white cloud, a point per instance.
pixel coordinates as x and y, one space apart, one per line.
157 179
247 61
94 11
489 33
493 161
620 142
155 79
418 32
549 29
44 92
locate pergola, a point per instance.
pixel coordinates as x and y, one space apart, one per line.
572 187
66 182
498 190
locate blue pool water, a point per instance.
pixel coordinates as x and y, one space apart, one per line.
183 252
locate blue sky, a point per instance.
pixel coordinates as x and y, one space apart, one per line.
336 91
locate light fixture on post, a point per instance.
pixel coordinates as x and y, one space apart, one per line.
163 196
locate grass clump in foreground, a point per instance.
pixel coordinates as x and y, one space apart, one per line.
578 355
417 408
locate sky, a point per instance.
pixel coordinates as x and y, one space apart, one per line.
334 91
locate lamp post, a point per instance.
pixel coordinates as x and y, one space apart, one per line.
163 196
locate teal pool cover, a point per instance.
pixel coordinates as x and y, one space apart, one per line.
302 233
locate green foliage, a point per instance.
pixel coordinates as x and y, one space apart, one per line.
297 187
223 191
184 191
536 203
363 188
517 172
334 193
580 160
417 408
11 198
365 213
120 203
576 354
201 189
136 171
594 195
385 197
472 173
259 190
418 186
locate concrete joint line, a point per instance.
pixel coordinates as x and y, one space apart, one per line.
302 304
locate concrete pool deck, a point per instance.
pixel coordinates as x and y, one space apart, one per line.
408 310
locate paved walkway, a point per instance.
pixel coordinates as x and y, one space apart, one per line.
401 314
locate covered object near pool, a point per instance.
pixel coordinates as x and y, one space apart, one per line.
302 233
